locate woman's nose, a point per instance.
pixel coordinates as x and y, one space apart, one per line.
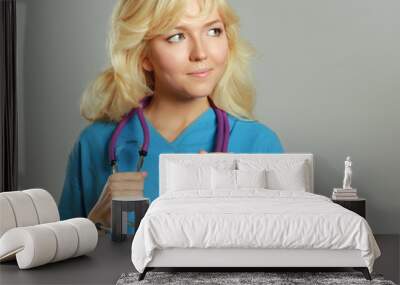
198 51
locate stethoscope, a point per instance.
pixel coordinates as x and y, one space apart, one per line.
222 139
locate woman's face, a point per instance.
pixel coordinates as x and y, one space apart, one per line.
193 46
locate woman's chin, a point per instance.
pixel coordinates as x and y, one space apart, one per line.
199 93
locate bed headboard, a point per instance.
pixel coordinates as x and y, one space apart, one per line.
213 158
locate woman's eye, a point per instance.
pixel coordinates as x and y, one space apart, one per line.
219 31
176 38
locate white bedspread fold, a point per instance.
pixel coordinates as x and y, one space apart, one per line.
251 218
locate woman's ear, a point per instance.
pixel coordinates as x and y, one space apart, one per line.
146 64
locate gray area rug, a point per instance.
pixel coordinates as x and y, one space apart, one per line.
286 278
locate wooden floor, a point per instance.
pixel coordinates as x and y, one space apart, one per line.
388 263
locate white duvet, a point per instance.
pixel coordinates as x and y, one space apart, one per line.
251 218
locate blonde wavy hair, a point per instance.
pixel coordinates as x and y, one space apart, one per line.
120 87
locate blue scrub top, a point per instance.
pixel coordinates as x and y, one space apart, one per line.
88 165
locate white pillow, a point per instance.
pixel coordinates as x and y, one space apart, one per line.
283 174
288 179
229 179
223 179
251 178
186 177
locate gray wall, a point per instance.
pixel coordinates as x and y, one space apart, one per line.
327 76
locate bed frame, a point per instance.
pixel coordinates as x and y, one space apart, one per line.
248 259
244 259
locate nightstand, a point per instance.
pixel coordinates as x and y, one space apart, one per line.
356 205
120 210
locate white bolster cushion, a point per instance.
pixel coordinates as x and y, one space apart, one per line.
40 244
46 207
26 208
23 208
67 240
33 246
7 218
87 234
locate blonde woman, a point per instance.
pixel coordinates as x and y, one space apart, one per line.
182 56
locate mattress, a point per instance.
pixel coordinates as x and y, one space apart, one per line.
253 218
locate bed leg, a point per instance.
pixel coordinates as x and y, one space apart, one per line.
143 274
364 271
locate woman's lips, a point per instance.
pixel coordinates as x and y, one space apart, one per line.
200 74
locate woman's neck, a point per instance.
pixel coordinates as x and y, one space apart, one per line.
174 114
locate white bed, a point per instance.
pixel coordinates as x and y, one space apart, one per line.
202 220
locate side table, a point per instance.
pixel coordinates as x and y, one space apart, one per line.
358 205
120 209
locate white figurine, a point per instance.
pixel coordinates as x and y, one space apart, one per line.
347 174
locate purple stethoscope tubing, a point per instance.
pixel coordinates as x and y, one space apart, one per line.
222 132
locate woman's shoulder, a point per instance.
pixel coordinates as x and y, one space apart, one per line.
250 127
256 133
96 132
